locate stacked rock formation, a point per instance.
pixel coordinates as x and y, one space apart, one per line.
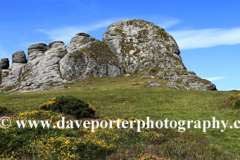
134 46
51 66
88 57
36 50
4 64
19 57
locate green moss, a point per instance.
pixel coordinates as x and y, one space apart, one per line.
142 34
120 31
105 44
165 73
6 73
60 74
137 51
192 73
153 71
99 52
8 88
180 72
127 47
162 33
85 50
153 61
25 74
19 79
51 84
204 81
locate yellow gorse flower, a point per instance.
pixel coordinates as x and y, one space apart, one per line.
91 107
237 95
47 104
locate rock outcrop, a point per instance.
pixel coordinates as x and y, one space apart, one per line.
89 57
19 57
4 64
51 66
147 49
140 46
36 50
134 46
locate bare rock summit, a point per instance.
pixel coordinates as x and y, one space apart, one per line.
141 45
129 46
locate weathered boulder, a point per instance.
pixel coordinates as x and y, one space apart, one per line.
141 45
145 48
186 80
83 34
45 73
55 44
19 57
4 64
88 56
36 50
152 84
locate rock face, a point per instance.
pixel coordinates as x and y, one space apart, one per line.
134 46
42 72
19 57
36 50
51 66
142 46
88 57
147 49
4 64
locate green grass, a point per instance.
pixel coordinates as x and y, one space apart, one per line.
124 100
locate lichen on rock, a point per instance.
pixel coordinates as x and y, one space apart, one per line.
139 44
143 47
89 57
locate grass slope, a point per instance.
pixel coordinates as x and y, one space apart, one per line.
122 99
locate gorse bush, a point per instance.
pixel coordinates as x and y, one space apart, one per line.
236 104
4 110
48 143
69 105
236 101
108 143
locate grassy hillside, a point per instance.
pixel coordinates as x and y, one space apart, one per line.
122 99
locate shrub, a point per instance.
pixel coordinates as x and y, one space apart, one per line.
69 105
236 104
4 110
235 101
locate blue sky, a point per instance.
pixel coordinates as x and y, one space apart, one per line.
207 32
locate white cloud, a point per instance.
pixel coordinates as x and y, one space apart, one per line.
214 78
65 34
191 39
169 24
186 39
